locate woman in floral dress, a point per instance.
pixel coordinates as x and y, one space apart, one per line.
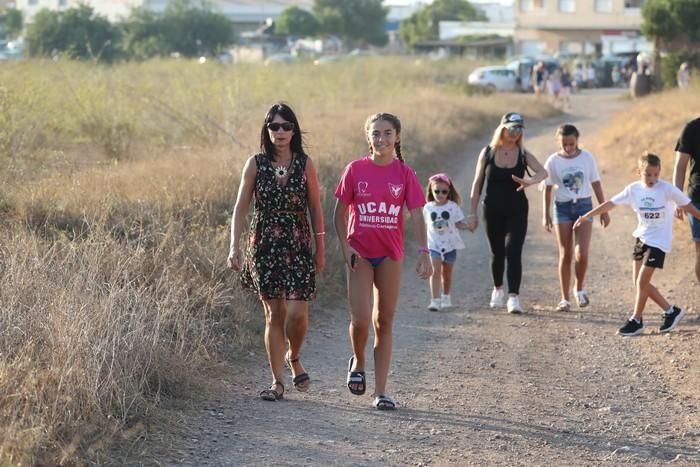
279 262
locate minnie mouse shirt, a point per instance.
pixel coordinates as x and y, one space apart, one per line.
376 195
441 220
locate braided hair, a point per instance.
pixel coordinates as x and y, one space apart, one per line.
395 122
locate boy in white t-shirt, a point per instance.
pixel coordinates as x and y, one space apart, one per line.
653 200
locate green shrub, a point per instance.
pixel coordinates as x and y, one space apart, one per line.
671 62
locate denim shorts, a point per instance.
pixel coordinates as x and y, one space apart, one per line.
694 225
569 211
450 257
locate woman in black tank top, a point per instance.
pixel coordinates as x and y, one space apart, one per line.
502 165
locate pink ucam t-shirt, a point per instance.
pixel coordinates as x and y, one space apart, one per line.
376 195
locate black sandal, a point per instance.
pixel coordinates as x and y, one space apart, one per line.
302 382
271 393
384 402
356 378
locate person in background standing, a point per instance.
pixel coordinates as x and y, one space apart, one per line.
566 89
683 76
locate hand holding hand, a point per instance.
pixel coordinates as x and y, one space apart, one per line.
680 214
605 219
472 223
424 267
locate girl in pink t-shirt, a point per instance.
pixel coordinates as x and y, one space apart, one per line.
368 219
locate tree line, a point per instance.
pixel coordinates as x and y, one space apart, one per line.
674 26
194 29
363 21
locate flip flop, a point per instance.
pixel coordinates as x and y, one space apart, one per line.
302 382
384 402
271 393
356 378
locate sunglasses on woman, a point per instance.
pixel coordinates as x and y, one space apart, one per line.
515 130
441 192
275 126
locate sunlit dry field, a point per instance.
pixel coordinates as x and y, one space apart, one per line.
116 192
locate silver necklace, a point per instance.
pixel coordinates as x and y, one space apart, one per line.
506 152
282 171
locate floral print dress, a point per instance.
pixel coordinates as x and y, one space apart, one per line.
278 260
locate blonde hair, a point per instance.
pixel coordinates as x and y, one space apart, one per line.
498 136
649 159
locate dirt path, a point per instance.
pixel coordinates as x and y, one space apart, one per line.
477 386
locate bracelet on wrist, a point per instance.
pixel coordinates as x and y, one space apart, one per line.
424 250
320 234
471 216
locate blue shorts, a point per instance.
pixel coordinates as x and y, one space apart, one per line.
373 261
694 225
376 261
568 212
450 257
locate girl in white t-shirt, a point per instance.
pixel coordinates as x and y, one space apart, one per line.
573 172
443 217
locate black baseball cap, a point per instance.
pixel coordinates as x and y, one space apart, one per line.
512 119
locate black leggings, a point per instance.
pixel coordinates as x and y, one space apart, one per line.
506 230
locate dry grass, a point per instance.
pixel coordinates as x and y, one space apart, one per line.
116 199
652 124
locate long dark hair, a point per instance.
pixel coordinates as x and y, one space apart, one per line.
567 129
395 122
286 112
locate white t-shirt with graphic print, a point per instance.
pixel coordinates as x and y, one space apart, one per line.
655 208
443 235
572 176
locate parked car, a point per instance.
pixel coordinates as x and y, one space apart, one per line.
13 50
362 53
523 69
280 58
604 66
496 78
327 59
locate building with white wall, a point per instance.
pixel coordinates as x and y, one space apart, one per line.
577 27
246 14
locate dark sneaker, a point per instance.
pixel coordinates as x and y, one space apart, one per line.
631 328
671 319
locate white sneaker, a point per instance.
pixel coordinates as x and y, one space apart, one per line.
446 301
497 298
435 304
513 305
582 299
